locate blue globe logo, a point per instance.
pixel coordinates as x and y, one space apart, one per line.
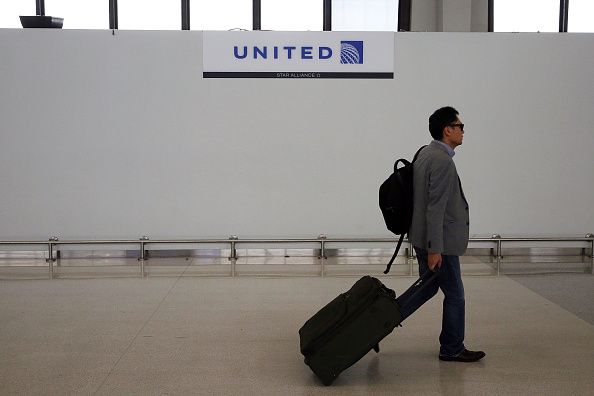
349 54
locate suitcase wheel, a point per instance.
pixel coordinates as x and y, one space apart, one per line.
327 380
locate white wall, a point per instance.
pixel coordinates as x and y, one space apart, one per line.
480 16
450 16
424 16
118 136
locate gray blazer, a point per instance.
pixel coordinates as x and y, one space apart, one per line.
440 218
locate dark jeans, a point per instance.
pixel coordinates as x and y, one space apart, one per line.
450 283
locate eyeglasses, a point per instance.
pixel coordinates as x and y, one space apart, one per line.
457 125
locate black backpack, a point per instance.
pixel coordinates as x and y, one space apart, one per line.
396 201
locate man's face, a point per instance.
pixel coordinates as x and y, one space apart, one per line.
456 132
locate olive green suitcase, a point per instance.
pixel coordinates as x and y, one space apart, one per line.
351 325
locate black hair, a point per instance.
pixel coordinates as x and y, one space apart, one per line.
440 119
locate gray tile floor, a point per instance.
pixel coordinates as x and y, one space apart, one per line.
182 331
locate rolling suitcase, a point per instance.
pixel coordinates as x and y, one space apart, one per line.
352 324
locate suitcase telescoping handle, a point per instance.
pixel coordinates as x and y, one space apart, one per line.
417 287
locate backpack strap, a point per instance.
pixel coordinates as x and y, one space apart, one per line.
395 254
405 162
417 154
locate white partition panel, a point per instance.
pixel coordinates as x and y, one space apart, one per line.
119 136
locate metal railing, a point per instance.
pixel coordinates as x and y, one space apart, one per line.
496 240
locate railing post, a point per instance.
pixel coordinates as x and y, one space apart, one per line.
50 257
233 255
142 257
411 257
322 238
498 253
411 251
590 235
233 239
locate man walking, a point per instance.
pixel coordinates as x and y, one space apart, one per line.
440 229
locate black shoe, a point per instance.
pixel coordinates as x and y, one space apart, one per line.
465 356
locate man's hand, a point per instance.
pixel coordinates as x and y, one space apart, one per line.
434 260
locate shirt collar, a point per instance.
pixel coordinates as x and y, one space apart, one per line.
451 151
